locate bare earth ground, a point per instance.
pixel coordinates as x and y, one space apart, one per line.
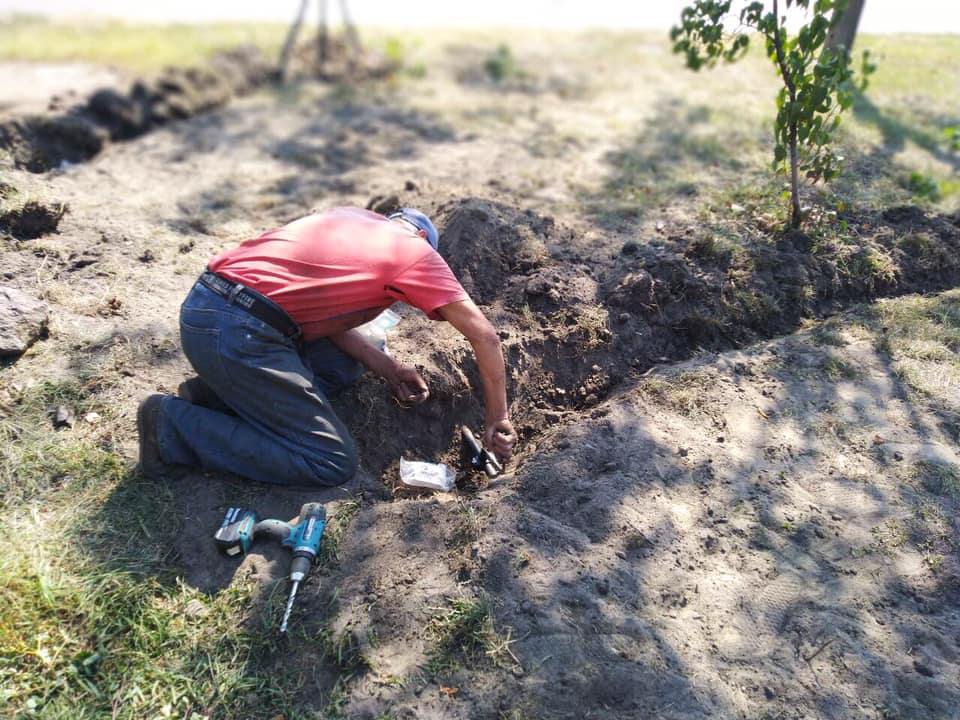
685 533
30 87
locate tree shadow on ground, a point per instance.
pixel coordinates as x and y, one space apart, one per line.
678 153
640 575
813 538
313 154
896 132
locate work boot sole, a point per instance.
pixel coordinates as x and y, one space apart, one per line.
148 425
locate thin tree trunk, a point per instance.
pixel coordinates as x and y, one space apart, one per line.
322 38
844 32
795 216
291 41
350 30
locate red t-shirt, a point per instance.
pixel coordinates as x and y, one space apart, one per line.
340 268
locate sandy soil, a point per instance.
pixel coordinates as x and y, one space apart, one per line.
33 87
689 530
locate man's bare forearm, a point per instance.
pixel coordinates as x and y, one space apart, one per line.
493 376
353 344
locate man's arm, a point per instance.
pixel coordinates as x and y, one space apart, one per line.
466 317
404 381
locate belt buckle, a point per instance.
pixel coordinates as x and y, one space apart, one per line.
234 292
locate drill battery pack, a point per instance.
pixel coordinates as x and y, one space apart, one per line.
236 532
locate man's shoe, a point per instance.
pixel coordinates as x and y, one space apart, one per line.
148 425
196 392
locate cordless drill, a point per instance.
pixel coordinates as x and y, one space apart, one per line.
240 528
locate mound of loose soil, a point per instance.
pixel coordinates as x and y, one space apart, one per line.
32 220
573 332
39 143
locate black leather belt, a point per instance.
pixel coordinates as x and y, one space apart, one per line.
253 302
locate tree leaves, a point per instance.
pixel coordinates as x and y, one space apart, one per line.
818 83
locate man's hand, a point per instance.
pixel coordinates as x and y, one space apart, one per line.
407 386
500 437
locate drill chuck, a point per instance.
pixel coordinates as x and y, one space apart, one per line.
300 567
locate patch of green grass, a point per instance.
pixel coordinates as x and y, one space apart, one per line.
836 368
137 46
923 187
87 625
399 50
922 337
94 621
500 65
35 458
470 522
907 64
344 650
685 393
334 532
940 479
464 631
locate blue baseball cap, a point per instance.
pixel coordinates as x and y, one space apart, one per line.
421 222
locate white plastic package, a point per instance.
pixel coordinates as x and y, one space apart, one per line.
375 331
436 476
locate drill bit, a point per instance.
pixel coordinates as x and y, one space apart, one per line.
286 613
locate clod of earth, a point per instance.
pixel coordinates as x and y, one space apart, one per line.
33 220
23 321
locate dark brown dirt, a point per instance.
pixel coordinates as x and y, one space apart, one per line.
32 220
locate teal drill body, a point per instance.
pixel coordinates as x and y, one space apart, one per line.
240 528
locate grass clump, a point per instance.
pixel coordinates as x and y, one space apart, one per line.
923 187
345 650
500 65
470 522
836 368
940 479
922 337
334 532
464 631
828 335
686 393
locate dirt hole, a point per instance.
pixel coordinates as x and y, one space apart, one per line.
576 328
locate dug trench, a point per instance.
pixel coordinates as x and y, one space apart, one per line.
580 329
69 133
577 326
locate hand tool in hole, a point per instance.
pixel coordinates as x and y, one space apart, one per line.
240 528
478 457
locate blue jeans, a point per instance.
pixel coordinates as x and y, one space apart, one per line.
283 430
